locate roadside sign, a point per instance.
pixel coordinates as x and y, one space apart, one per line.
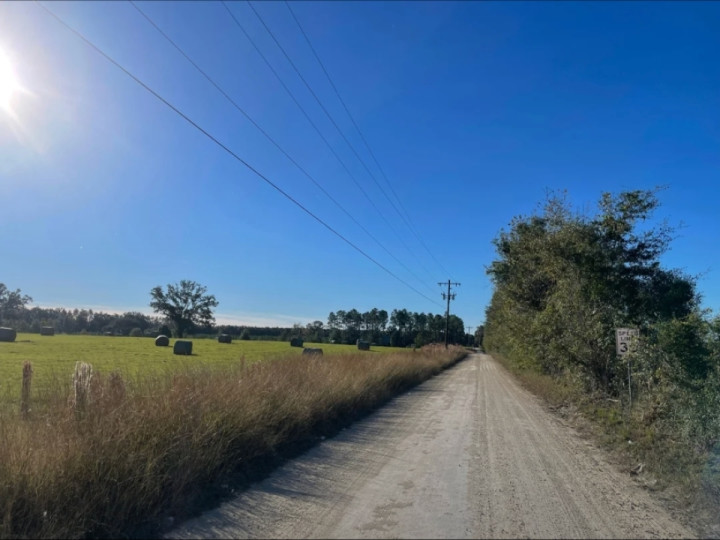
624 338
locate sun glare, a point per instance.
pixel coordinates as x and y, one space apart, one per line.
9 84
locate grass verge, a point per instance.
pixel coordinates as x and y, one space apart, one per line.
117 459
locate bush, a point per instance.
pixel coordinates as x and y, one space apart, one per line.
564 282
136 332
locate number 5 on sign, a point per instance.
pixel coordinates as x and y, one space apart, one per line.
624 338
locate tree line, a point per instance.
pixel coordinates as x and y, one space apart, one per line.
400 328
15 313
186 309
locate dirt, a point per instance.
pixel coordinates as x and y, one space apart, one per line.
467 454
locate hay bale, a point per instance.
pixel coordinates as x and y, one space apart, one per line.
47 331
363 345
182 347
224 338
296 342
311 351
7 334
162 341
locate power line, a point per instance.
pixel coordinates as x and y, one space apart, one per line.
319 102
315 126
228 150
269 137
408 222
307 116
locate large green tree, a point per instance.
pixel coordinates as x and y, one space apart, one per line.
186 304
565 281
12 303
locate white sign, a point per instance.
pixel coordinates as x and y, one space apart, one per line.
624 338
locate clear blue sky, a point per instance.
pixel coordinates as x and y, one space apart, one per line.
474 110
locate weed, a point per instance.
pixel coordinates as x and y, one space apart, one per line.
148 447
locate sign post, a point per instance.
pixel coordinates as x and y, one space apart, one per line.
624 340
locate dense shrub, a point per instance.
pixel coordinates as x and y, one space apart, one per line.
565 281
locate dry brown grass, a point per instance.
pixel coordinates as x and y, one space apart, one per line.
138 452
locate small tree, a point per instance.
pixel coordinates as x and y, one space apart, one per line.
186 304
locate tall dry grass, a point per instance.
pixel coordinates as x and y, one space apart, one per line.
144 450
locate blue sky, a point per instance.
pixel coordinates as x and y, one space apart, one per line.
474 110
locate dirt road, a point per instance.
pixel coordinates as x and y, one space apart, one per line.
468 454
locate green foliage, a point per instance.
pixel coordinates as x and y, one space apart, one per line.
186 304
685 341
564 282
245 335
11 303
399 329
136 332
422 338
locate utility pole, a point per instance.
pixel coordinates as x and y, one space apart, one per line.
468 331
448 296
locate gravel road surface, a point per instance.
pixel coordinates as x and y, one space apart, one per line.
468 454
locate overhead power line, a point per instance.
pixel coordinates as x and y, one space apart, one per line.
226 149
320 103
273 141
408 221
307 116
390 226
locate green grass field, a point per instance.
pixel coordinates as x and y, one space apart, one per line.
53 358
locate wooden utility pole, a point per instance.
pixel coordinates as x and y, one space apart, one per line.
471 335
448 296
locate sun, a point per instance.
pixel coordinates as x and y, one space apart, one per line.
9 83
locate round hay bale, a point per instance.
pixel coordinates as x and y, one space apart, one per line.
296 342
182 347
47 331
363 345
224 338
162 341
7 334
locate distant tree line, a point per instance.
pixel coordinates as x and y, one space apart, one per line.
400 328
76 321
